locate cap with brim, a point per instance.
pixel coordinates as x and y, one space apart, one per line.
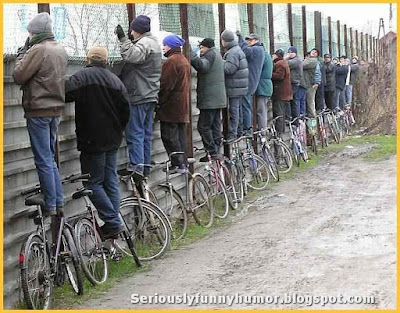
98 53
252 36
327 55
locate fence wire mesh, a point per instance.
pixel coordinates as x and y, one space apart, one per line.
310 30
260 16
335 52
281 27
325 35
298 29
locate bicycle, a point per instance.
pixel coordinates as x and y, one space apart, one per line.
280 149
217 174
197 199
349 120
312 131
43 264
147 226
322 129
267 154
299 149
333 125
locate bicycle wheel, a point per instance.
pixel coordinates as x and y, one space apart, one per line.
91 252
152 197
283 156
314 146
147 227
268 157
256 171
173 206
304 153
219 195
238 180
70 259
333 129
201 200
36 284
230 187
295 152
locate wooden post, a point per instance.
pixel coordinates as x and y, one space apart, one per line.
304 23
43 7
338 37
330 35
357 46
290 23
371 46
131 8
366 46
346 47
183 12
225 112
271 28
362 45
318 32
351 42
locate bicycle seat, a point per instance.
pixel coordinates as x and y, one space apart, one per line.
82 193
124 172
35 200
191 160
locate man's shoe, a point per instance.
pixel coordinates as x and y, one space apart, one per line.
111 232
229 140
181 169
47 212
248 133
217 157
204 159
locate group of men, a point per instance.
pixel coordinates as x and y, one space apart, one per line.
107 105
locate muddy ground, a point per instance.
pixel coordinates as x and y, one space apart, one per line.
327 232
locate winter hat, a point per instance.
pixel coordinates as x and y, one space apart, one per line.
315 49
173 41
207 42
279 53
41 23
227 36
355 57
141 24
253 36
327 55
98 53
292 49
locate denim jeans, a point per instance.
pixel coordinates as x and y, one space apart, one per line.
294 105
247 117
102 167
42 132
138 134
302 96
349 94
340 98
209 127
234 109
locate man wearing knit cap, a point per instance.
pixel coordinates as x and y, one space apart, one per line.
296 75
40 68
174 102
312 79
255 54
211 96
320 93
141 75
101 114
236 80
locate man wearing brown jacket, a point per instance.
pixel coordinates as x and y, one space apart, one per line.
173 111
40 68
282 88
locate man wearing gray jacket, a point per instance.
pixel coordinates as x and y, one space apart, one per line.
141 76
296 74
236 79
312 79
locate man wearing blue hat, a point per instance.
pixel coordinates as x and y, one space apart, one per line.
141 77
173 111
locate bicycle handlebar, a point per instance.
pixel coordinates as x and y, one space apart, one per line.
75 178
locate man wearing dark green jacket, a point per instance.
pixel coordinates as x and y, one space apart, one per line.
264 91
211 97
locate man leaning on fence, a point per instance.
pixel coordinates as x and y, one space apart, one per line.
141 75
236 79
101 114
211 96
40 68
173 111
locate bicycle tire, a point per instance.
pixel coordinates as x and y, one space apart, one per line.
283 156
155 223
176 211
219 196
270 160
71 261
333 129
314 146
152 197
238 180
230 187
42 285
201 201
304 154
295 152
91 252
256 168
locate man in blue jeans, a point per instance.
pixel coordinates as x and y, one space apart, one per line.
141 76
40 68
101 114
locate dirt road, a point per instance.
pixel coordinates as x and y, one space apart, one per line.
328 232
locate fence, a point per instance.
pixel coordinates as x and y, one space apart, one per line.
79 26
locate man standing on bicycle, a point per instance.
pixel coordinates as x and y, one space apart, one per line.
236 79
312 79
101 114
330 85
141 76
173 111
296 75
40 68
211 96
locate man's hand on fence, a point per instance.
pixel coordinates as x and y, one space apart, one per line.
119 31
192 53
22 50
238 33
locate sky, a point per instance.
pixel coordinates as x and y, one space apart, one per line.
363 17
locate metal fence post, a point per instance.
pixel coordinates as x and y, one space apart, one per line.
131 8
351 42
318 32
330 35
346 47
338 37
183 12
271 28
290 23
362 45
357 46
304 22
43 7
